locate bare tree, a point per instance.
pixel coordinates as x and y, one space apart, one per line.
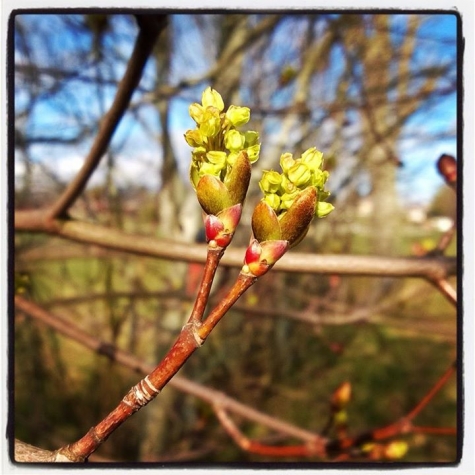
107 265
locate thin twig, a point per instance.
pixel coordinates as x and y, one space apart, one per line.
72 331
401 426
445 289
312 448
190 338
212 261
149 30
243 282
434 430
446 239
432 392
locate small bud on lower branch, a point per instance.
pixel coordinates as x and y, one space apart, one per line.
447 166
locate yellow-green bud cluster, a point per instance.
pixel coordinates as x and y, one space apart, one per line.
216 141
281 189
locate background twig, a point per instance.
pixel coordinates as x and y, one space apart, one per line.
149 30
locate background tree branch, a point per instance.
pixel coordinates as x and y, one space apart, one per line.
150 28
432 268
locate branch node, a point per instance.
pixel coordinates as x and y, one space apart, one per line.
140 394
192 328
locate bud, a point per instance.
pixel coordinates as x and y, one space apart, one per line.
284 214
265 225
286 162
295 222
252 137
300 175
261 256
341 418
217 158
210 123
447 166
212 98
220 229
287 187
213 195
395 450
341 396
270 182
221 156
238 116
273 201
194 138
210 169
237 180
283 191
313 158
196 112
253 152
234 141
324 209
287 200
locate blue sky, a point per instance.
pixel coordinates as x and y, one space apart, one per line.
418 179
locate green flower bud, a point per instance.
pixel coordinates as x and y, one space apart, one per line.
323 195
238 116
253 152
287 199
231 158
319 178
194 138
270 182
324 209
286 162
252 138
194 174
300 175
286 186
210 124
210 169
233 140
196 112
313 158
217 158
199 153
273 201
212 98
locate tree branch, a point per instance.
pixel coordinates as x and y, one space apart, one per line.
149 30
70 330
432 268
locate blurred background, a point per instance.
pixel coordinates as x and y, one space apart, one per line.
376 93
